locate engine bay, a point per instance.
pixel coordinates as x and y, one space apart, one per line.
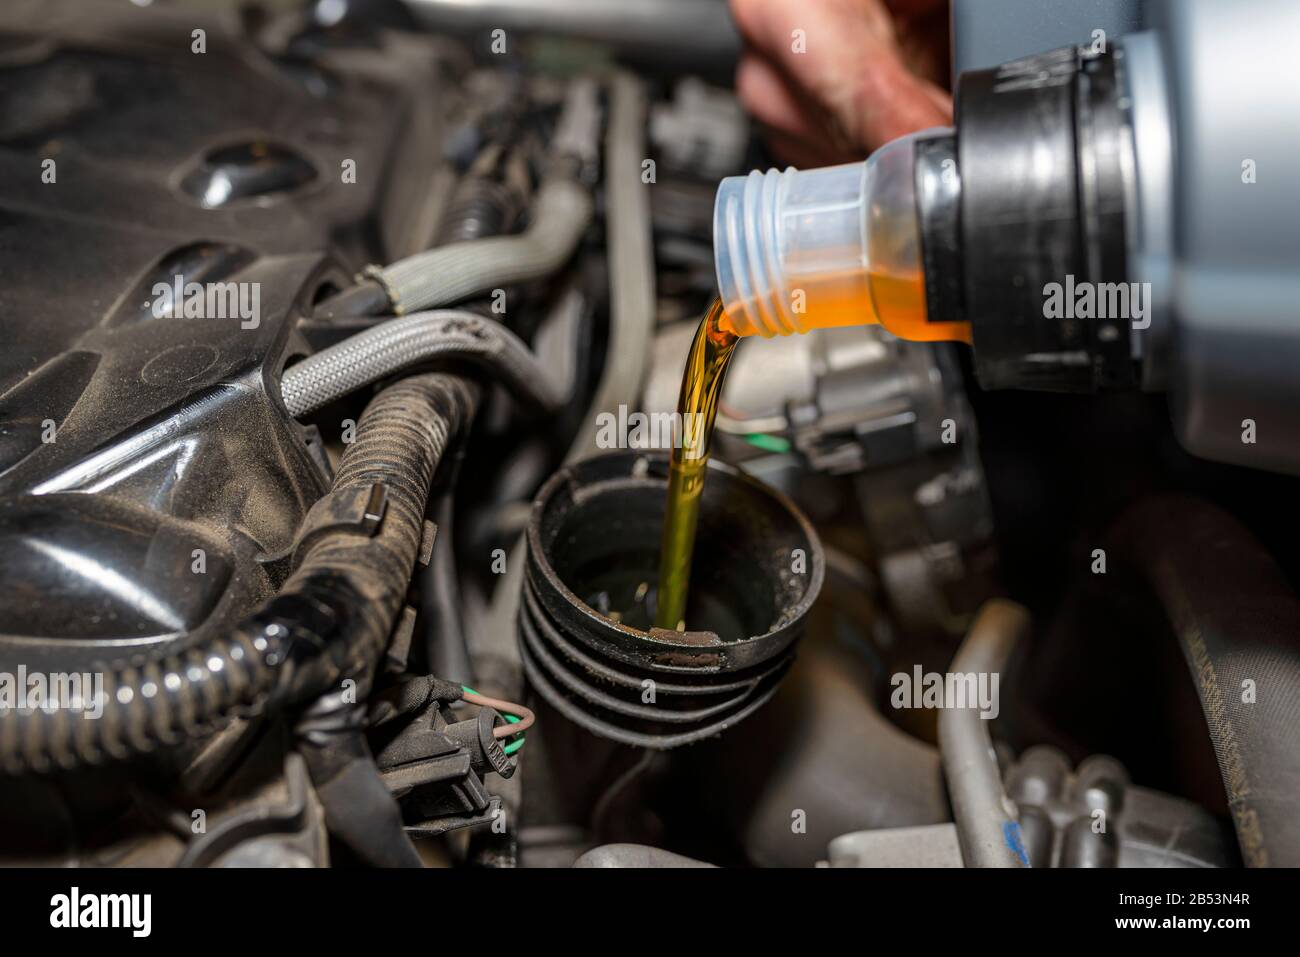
343 348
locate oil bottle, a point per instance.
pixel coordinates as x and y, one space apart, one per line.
794 251
840 246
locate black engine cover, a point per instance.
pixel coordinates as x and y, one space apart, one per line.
150 480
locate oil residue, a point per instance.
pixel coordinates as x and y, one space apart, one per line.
697 407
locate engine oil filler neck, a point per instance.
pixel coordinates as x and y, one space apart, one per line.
586 633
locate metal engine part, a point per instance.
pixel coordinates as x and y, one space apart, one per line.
890 414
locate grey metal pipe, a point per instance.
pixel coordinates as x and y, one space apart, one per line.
987 825
631 260
451 273
399 343
698 32
635 855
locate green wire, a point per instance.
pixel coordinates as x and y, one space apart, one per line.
768 443
513 746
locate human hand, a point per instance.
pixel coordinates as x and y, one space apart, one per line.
858 74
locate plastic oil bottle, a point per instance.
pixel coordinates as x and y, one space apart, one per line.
794 250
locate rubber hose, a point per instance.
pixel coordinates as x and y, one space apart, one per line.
330 621
445 334
360 811
1237 620
458 271
366 298
480 209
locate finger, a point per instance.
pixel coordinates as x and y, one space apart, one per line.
769 97
850 66
888 102
940 97
830 30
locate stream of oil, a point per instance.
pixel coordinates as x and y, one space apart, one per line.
697 406
897 302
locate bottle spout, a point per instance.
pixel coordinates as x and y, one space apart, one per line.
797 250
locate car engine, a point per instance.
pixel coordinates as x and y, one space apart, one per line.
342 341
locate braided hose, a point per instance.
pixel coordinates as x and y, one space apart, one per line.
330 621
452 273
400 343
